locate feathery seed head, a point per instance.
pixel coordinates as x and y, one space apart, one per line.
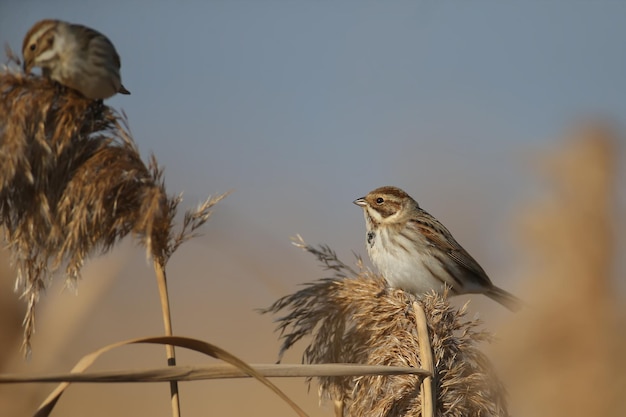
72 183
353 318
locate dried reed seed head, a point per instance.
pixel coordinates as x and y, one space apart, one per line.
359 320
71 182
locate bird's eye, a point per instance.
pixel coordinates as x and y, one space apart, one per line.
33 46
380 200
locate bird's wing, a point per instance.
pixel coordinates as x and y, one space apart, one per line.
437 235
90 35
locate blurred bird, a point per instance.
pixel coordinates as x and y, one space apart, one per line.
74 55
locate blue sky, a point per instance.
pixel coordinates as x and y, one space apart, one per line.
302 106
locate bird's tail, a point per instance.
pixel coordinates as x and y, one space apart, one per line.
505 298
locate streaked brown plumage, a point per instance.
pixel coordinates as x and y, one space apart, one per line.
415 252
75 56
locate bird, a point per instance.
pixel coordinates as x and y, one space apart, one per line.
413 251
75 56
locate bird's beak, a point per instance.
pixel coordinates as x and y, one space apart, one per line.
360 202
27 66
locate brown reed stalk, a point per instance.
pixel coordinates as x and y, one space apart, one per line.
427 391
206 372
72 183
352 317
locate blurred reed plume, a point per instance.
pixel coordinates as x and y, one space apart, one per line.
353 318
566 352
72 182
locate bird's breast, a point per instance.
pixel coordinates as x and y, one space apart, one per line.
405 263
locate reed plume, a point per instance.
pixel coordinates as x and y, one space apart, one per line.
72 183
352 317
565 355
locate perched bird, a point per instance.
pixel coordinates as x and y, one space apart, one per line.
75 56
416 253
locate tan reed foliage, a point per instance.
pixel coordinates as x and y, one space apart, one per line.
566 352
72 183
353 318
